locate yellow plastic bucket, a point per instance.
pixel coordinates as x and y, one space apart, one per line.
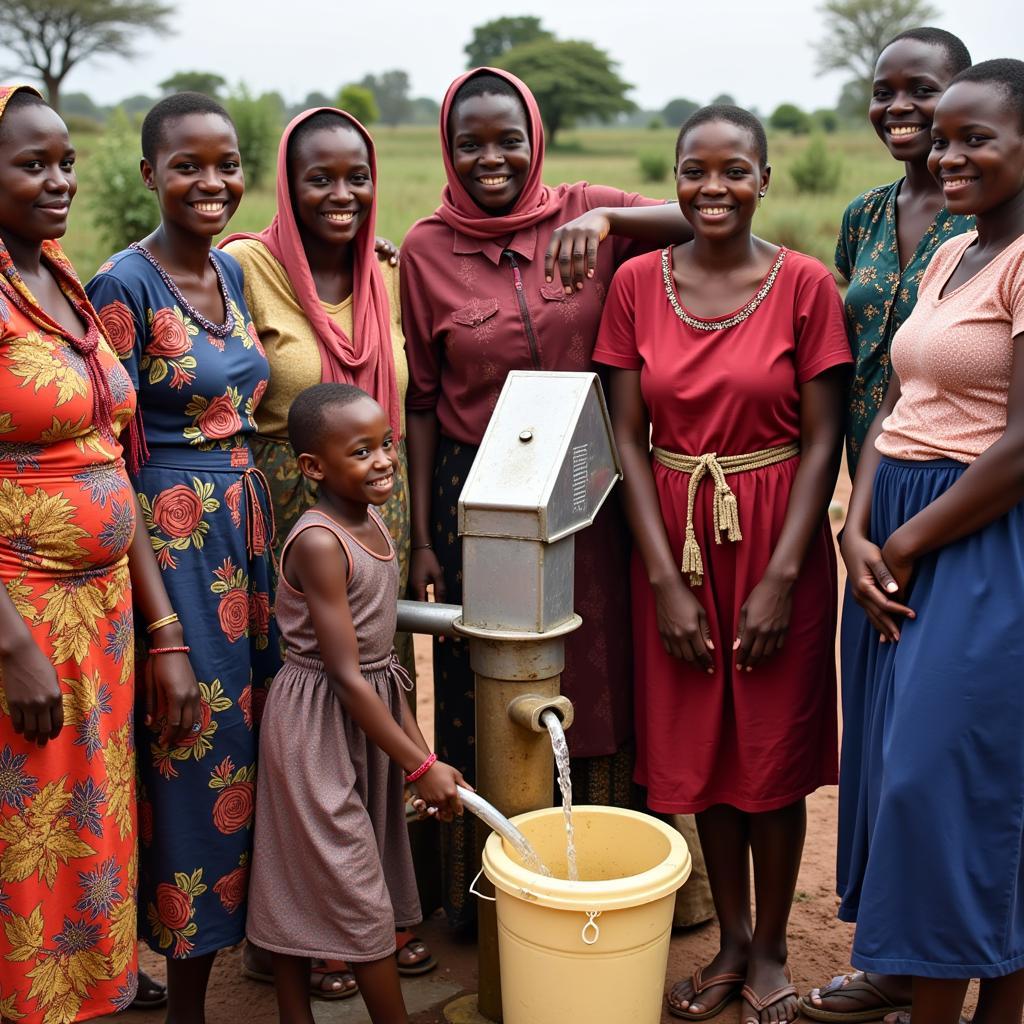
595 950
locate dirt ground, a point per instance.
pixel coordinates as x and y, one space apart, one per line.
819 945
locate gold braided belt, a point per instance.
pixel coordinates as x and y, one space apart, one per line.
726 511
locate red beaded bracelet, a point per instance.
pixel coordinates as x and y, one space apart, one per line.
422 770
169 650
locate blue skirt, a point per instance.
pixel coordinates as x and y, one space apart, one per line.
932 776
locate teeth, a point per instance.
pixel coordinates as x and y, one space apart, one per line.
382 483
900 131
956 182
500 180
714 211
213 207
338 216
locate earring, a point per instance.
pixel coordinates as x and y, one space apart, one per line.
763 194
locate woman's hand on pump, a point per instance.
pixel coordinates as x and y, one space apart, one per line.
438 789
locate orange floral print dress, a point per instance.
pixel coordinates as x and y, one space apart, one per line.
67 810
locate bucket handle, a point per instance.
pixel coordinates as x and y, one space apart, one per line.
591 930
477 892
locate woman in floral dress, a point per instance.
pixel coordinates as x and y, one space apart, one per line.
70 568
175 313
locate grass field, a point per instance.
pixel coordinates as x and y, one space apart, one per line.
411 177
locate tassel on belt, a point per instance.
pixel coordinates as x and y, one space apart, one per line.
726 512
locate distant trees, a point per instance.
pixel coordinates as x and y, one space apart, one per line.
50 37
788 117
571 80
491 40
359 102
258 122
675 112
391 93
207 82
856 30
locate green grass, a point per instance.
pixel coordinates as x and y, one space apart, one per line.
411 177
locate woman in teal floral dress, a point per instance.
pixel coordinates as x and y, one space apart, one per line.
890 232
175 313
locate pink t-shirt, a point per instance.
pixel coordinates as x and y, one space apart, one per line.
954 355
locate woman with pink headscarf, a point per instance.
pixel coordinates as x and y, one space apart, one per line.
481 296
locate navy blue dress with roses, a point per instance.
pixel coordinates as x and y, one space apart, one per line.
209 521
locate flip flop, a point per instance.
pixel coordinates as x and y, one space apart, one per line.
761 1003
848 985
701 984
404 939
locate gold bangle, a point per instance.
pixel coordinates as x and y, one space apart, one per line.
165 621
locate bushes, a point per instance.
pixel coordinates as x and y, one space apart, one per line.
654 166
123 209
258 122
788 117
816 171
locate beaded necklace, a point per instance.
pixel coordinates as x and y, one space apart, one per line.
217 330
716 325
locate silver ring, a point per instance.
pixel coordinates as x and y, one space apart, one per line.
196 726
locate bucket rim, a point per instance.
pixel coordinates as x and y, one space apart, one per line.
609 894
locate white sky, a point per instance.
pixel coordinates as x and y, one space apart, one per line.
760 52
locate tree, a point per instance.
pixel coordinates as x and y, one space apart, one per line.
425 110
258 124
391 92
570 80
723 99
676 111
852 106
207 82
788 117
50 37
493 39
826 120
81 104
137 104
359 102
856 31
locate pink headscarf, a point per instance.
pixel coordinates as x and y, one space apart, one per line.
366 359
535 202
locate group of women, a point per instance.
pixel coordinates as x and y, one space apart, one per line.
144 464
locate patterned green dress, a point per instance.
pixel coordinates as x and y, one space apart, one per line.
880 296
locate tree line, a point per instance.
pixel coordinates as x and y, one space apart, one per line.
574 81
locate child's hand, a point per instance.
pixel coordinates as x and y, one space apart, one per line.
438 789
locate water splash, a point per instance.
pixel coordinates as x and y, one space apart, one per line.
553 724
497 821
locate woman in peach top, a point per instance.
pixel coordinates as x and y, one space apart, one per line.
934 546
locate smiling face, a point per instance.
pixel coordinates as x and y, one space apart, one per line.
331 186
490 150
719 178
977 149
910 77
37 174
358 459
196 172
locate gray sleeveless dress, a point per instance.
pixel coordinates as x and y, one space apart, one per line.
332 873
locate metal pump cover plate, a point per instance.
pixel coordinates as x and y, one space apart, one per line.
547 460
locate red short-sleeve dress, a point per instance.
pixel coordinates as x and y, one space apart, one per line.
754 740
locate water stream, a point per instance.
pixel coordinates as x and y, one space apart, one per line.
553 724
497 821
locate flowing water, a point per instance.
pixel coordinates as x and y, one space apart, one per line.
494 819
553 724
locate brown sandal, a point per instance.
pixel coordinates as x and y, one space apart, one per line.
868 1001
423 960
701 984
761 1003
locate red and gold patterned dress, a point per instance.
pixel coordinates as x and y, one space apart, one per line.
67 810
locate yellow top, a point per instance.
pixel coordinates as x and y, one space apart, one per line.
289 338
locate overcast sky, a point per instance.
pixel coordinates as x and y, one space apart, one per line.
760 52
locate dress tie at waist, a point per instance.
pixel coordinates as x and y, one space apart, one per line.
390 664
257 535
726 511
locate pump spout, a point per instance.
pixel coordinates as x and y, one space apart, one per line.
526 711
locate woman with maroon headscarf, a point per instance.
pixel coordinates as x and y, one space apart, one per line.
481 297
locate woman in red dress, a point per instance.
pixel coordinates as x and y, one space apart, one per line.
726 353
70 565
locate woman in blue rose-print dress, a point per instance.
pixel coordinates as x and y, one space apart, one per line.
176 316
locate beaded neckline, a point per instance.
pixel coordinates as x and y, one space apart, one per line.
217 330
722 324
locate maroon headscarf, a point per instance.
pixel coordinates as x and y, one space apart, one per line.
535 202
13 288
367 358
